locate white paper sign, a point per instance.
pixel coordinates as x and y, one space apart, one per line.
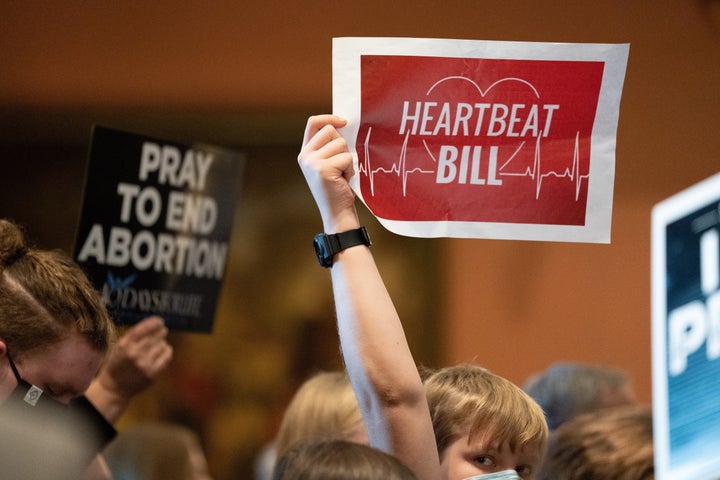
482 139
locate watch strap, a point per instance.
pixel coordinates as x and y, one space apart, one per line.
329 245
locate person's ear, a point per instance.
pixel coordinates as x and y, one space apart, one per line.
3 348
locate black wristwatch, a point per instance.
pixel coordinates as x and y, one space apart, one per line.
327 246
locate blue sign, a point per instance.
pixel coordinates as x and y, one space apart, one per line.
686 333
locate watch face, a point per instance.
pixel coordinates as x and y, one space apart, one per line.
323 256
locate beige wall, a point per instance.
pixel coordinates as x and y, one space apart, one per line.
246 74
520 306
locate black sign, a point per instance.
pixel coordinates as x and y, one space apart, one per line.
155 226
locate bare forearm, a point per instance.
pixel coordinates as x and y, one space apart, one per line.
109 404
370 330
377 357
380 364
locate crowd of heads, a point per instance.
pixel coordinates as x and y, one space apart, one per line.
598 431
572 421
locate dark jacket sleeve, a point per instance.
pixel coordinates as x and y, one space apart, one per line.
96 429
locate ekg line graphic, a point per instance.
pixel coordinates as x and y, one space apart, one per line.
400 168
535 172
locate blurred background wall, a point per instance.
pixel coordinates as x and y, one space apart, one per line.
245 75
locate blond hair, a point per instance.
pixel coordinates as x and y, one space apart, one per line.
468 399
324 407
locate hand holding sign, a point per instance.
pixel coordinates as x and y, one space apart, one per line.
327 165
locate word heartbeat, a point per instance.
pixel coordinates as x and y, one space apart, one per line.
535 172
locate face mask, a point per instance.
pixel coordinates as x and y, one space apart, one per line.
504 475
30 393
32 397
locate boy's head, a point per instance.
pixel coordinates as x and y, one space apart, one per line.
468 400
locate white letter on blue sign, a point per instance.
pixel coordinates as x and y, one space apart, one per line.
698 322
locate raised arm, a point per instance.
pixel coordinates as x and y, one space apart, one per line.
134 363
377 357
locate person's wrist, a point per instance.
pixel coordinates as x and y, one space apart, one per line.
113 392
328 245
341 223
108 400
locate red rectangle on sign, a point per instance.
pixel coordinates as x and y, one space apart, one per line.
477 140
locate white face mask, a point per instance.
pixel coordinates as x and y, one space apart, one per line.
504 475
